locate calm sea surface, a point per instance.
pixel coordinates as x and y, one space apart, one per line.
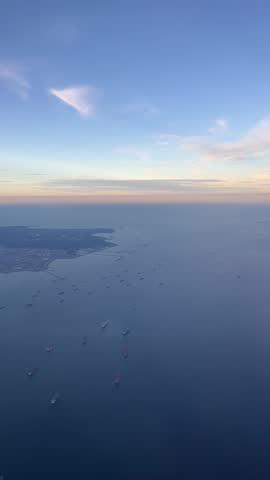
194 394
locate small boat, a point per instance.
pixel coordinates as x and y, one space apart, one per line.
84 341
55 398
105 324
117 380
125 332
125 352
50 348
30 373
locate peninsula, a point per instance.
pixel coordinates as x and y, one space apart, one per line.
32 249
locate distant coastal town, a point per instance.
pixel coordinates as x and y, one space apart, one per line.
32 249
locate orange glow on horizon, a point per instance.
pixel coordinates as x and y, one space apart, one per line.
139 198
228 191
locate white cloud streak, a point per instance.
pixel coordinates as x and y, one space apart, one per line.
12 77
81 98
254 144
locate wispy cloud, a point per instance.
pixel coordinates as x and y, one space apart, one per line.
81 97
12 77
255 143
219 126
140 106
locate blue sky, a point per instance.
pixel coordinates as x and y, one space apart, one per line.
127 91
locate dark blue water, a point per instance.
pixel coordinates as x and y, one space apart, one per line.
194 396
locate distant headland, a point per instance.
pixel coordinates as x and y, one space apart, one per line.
32 249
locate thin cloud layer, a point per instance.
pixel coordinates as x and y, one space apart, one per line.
139 185
12 77
81 98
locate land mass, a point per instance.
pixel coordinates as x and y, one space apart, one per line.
33 249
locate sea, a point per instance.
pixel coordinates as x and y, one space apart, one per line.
185 394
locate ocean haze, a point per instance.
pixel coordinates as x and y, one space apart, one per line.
191 282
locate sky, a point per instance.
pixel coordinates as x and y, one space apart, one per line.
134 101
